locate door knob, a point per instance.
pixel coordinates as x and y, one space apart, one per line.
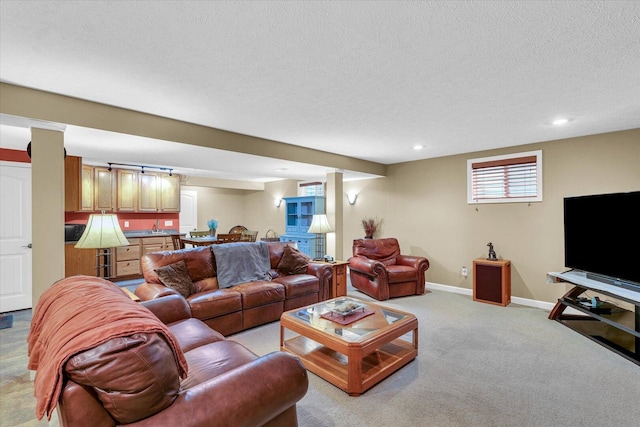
28 246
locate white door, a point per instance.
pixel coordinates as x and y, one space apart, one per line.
15 236
188 211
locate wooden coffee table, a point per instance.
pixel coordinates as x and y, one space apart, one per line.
356 356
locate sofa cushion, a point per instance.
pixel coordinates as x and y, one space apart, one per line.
210 304
401 273
299 284
241 262
383 250
176 276
147 380
199 262
214 359
255 294
293 261
192 333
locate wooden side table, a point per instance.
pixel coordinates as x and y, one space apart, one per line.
339 279
492 281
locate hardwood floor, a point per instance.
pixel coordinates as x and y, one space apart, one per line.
17 403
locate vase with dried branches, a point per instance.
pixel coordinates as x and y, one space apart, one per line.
370 226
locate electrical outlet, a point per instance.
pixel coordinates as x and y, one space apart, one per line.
464 271
126 224
168 223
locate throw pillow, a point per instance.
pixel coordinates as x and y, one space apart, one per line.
293 261
176 276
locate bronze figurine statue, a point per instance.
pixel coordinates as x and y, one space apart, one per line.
492 253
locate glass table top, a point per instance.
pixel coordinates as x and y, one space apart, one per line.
361 329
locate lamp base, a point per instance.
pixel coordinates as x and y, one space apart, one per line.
103 263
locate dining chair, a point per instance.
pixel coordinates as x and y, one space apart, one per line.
230 237
177 242
249 236
237 229
199 233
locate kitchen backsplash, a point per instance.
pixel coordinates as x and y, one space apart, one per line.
135 221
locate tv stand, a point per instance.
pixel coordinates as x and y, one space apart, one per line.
619 330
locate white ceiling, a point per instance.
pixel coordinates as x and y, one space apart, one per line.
363 79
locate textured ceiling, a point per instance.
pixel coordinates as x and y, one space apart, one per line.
363 79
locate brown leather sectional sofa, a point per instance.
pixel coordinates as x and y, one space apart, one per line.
124 366
243 306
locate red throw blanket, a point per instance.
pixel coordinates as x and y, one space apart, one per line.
76 314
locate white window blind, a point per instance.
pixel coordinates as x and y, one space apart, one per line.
513 178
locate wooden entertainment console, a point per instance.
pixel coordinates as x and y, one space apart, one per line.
614 327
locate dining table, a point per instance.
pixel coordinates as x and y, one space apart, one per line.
199 241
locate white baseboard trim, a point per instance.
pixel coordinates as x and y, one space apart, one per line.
516 300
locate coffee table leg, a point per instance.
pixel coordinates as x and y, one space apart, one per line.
354 372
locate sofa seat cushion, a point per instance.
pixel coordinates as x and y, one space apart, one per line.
256 294
214 359
192 333
401 273
210 304
299 284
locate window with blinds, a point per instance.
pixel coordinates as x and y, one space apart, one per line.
504 179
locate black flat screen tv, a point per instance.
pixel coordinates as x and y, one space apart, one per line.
602 237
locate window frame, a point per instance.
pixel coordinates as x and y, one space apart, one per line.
505 158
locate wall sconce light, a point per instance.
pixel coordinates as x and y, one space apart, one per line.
352 197
277 202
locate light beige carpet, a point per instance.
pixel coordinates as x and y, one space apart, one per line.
480 365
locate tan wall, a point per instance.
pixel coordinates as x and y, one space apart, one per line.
254 209
424 205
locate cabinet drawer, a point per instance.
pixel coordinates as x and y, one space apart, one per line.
153 240
127 268
128 252
153 248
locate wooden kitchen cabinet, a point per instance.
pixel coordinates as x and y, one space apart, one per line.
169 193
79 261
148 194
128 259
104 189
154 244
127 190
78 185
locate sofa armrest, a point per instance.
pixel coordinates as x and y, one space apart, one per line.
147 291
325 274
236 398
419 263
367 266
169 309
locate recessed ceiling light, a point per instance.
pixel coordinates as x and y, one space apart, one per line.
558 122
418 147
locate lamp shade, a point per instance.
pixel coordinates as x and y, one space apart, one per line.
320 225
103 231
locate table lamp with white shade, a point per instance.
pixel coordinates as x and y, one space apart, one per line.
102 233
320 227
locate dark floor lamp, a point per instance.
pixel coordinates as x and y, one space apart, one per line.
102 233
320 227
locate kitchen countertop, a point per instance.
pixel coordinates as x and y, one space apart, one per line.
149 233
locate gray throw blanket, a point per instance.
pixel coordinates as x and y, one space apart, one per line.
241 263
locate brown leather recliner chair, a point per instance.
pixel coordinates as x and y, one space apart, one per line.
379 270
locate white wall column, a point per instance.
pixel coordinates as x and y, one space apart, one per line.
334 209
47 182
